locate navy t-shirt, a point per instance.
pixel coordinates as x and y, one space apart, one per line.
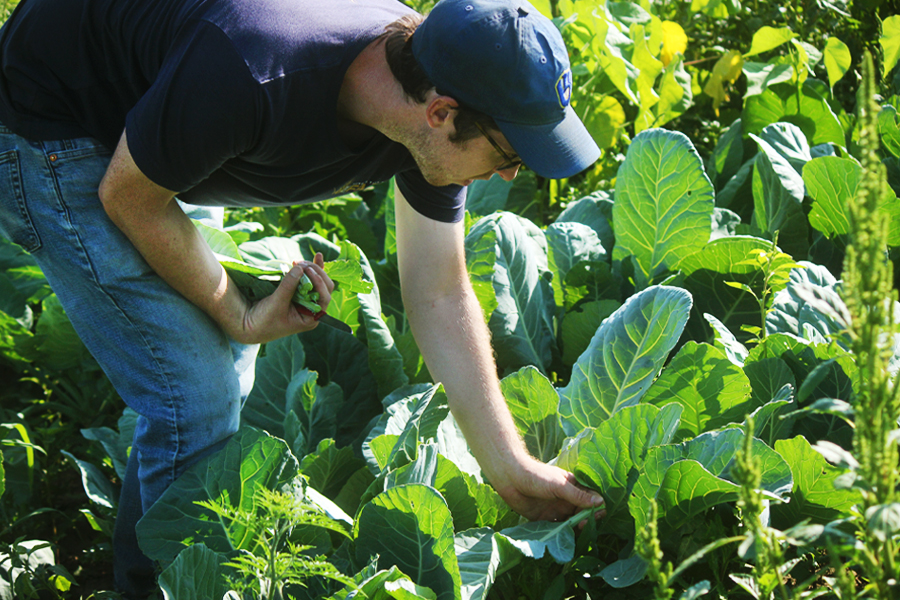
227 102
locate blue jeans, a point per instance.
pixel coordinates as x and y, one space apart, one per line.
168 360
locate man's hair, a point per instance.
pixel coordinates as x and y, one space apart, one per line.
416 85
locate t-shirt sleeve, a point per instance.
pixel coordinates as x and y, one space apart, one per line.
201 110
446 204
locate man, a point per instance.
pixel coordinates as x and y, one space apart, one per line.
262 102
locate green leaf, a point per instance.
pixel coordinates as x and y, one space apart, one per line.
762 75
96 485
807 108
2 476
664 203
250 460
712 390
610 457
813 495
55 343
410 527
522 324
625 355
197 573
837 60
413 419
725 341
595 211
890 43
688 478
768 38
569 244
482 554
883 521
533 402
579 325
778 193
889 129
265 406
330 468
797 306
431 469
832 183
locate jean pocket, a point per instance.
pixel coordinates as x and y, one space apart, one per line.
15 221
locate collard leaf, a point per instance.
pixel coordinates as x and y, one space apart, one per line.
889 129
778 193
610 457
831 182
701 476
569 244
809 110
265 406
410 527
724 340
431 469
707 271
533 402
595 211
341 358
664 204
712 391
96 485
813 496
522 324
250 460
543 538
579 326
799 305
197 573
481 559
626 353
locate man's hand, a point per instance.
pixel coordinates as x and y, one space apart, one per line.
170 243
538 491
274 315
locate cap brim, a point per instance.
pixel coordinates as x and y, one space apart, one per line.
555 151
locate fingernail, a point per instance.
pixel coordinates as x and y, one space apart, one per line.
598 501
296 272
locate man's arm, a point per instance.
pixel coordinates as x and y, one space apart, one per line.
167 239
449 328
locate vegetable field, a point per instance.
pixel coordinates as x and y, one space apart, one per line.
703 327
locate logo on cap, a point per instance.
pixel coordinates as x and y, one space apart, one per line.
564 88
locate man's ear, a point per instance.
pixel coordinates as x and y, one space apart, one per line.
441 111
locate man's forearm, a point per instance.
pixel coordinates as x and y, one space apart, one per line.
455 343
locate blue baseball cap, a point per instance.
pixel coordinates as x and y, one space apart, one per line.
505 59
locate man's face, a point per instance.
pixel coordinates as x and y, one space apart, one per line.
443 162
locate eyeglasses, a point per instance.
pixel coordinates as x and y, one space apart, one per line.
509 161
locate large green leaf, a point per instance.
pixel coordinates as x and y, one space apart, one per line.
431 469
410 527
778 193
569 244
341 358
688 478
265 406
55 343
831 182
533 402
331 469
197 573
625 355
595 211
705 275
415 418
250 460
806 108
482 556
522 324
664 204
813 496
580 324
797 307
610 457
710 388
